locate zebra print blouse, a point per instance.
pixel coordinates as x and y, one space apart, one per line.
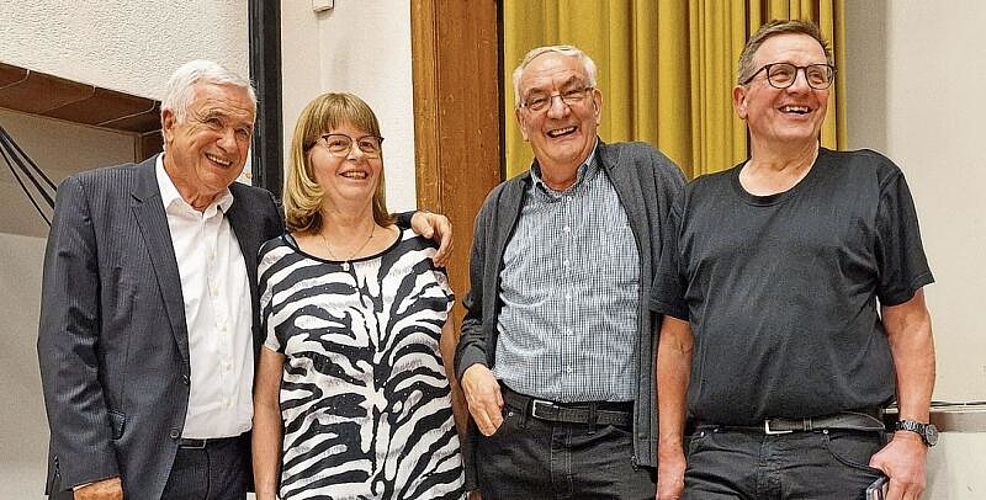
365 400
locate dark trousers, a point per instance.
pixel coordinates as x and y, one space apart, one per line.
529 458
219 471
824 464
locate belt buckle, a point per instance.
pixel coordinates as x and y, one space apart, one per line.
196 444
770 432
535 403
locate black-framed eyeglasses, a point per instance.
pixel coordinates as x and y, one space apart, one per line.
783 75
541 102
341 144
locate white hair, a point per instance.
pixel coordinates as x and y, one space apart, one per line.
180 92
567 50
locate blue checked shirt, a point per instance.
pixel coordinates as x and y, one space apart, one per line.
568 326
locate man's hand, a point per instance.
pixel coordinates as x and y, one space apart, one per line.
436 227
670 472
483 397
107 489
903 461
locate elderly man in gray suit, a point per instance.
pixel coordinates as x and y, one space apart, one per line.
148 329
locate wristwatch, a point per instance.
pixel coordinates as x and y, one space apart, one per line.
928 432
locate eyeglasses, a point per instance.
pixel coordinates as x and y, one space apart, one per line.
540 102
783 75
341 144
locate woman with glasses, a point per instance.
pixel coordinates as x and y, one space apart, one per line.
353 397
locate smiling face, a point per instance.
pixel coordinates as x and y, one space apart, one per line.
352 179
562 136
206 152
783 118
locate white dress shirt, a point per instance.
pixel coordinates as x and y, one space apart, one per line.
216 292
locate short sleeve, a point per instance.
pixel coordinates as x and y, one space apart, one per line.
265 270
667 294
403 219
901 261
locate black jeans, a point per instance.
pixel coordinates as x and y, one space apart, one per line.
529 458
219 471
824 464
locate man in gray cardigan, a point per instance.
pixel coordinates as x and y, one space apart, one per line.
557 348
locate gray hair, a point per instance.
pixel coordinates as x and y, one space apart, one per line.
566 50
179 92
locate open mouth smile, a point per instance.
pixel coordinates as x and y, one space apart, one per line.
795 109
560 132
222 162
355 174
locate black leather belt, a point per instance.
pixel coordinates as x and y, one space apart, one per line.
601 413
201 444
868 420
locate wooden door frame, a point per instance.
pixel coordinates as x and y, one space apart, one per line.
456 55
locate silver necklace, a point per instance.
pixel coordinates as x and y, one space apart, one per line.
346 261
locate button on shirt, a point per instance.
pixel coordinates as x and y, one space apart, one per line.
569 288
218 312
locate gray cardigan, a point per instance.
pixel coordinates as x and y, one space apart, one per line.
646 182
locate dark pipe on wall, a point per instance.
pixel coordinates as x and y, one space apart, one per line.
265 71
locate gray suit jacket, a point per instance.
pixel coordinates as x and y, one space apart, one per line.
112 343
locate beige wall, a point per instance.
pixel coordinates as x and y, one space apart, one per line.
916 83
915 93
58 148
363 48
23 425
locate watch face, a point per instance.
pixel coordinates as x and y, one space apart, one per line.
931 434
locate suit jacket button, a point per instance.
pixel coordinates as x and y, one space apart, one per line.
185 380
175 434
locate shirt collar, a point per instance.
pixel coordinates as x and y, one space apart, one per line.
171 197
585 171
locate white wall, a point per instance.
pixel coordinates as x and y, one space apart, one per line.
363 48
916 81
125 45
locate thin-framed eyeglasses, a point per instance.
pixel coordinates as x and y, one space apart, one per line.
783 75
341 144
540 102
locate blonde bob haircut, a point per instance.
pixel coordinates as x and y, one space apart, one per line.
302 194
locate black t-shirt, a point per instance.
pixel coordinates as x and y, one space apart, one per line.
781 291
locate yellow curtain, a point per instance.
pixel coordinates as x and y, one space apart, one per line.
666 69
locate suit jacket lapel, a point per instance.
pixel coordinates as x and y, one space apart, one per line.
149 212
246 225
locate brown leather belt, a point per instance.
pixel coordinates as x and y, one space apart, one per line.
598 413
